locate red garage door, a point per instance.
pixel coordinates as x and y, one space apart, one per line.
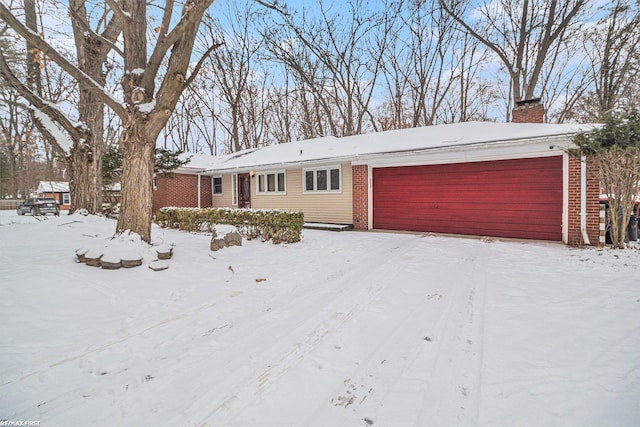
519 198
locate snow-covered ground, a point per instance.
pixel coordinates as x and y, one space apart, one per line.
341 329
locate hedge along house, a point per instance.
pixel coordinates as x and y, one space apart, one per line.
475 178
58 190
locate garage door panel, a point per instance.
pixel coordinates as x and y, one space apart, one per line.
506 198
525 230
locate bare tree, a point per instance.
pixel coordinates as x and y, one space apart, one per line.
615 149
525 35
17 139
92 49
83 146
432 71
204 105
429 64
146 108
237 77
472 94
178 133
614 63
27 160
336 59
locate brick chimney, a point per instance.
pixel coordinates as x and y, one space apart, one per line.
528 111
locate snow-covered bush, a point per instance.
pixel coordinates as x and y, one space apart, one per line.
275 225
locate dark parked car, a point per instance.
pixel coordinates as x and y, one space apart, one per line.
39 206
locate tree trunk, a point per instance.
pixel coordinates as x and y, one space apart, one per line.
86 157
138 151
85 183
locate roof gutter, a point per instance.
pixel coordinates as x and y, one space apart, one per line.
270 166
548 139
363 158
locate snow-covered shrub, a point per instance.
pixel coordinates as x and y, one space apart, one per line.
275 225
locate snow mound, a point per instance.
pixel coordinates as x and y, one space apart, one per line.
223 229
126 249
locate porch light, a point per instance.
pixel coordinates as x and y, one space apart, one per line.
252 174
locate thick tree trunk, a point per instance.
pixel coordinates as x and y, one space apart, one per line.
87 153
138 151
86 158
85 183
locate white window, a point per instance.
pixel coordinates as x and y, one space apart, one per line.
234 189
322 180
272 183
66 198
216 185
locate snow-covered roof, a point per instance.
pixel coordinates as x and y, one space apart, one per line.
53 187
394 141
116 186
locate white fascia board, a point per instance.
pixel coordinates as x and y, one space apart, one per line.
188 171
329 161
503 150
486 151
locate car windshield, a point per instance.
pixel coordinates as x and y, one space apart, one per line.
47 200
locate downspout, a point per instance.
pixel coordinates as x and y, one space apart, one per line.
199 190
583 200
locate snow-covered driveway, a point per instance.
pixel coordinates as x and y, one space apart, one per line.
341 329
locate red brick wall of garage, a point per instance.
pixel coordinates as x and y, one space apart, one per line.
574 234
182 191
360 183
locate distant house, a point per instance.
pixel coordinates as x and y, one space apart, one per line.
475 178
111 193
59 190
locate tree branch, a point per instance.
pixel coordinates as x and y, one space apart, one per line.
61 60
272 6
110 34
166 42
475 34
174 79
198 66
117 10
75 131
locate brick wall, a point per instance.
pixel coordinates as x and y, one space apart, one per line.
181 190
528 113
593 209
360 197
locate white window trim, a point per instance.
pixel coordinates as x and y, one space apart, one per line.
234 189
213 193
66 196
315 180
270 193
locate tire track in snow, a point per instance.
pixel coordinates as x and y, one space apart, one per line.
454 388
413 378
108 344
278 363
366 389
181 326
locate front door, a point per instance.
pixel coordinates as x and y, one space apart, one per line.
244 190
